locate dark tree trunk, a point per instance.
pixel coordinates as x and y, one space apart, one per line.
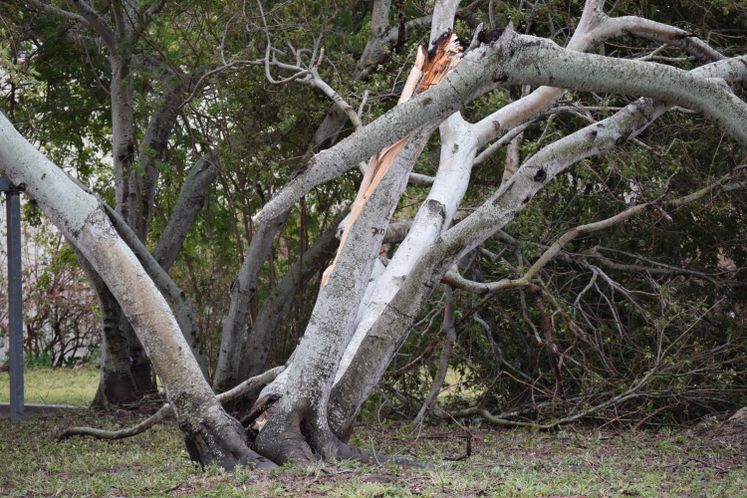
126 374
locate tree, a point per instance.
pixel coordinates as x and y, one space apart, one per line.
364 312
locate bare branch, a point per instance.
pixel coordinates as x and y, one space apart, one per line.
656 31
54 10
96 22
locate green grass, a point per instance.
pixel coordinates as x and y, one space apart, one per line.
504 463
73 386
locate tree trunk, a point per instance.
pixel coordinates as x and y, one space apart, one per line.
212 436
124 378
273 310
297 428
125 370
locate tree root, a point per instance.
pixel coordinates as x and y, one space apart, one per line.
219 439
143 426
165 410
292 437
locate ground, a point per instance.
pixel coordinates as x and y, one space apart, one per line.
708 460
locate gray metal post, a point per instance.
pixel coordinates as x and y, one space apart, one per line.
15 299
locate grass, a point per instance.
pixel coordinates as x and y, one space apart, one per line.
73 386
504 462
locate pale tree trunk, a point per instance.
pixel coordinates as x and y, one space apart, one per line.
212 436
126 374
116 361
302 409
457 152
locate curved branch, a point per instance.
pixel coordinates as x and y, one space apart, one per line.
134 430
594 27
659 32
537 61
248 385
96 22
188 204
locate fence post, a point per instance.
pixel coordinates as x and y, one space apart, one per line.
15 297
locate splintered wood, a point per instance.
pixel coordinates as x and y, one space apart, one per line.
429 69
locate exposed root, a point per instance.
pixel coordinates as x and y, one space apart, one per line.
281 439
165 410
292 437
143 426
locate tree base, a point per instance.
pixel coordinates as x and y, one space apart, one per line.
120 389
292 437
220 440
282 440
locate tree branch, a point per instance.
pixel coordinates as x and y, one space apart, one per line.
96 22
187 207
248 385
54 10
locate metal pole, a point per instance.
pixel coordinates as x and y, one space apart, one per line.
15 302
